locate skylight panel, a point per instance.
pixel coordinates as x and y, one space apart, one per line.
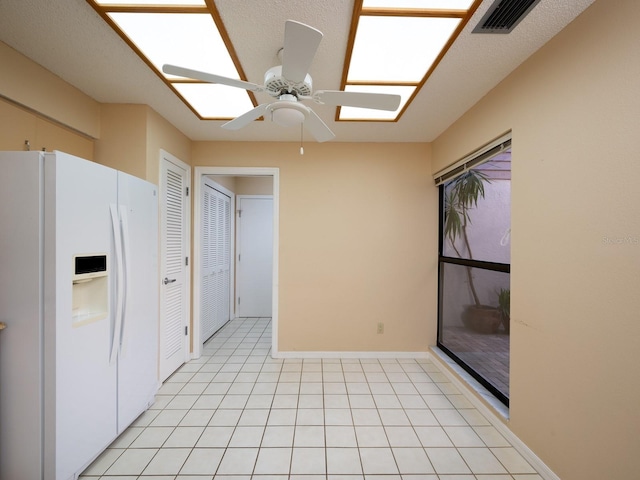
190 40
353 113
187 33
189 3
419 4
400 49
397 44
215 101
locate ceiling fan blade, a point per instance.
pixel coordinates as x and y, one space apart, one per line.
318 128
211 78
377 101
246 118
300 45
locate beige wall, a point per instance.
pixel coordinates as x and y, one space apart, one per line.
131 138
123 138
162 135
227 181
358 242
254 186
574 109
248 185
18 124
27 83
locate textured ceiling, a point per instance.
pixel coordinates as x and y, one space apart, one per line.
68 38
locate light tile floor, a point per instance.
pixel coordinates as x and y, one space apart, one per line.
237 414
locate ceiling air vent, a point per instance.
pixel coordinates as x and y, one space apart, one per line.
504 15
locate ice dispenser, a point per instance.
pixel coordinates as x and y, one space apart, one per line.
90 288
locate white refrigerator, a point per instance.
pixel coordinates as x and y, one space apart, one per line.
79 289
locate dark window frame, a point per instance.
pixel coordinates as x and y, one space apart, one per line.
443 260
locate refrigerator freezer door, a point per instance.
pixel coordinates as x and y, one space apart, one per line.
138 349
21 243
80 380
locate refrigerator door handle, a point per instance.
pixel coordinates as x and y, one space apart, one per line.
117 243
126 261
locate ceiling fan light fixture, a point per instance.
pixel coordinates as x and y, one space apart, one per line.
287 113
287 117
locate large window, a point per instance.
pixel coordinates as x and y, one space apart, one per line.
474 286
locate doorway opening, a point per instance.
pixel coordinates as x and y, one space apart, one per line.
235 181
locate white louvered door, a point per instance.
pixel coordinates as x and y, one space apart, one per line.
174 275
216 261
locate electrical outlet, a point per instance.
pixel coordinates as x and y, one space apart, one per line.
381 327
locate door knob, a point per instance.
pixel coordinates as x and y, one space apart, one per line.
166 280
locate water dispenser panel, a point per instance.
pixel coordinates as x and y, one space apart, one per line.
90 288
88 266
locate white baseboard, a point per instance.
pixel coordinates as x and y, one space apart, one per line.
497 409
303 355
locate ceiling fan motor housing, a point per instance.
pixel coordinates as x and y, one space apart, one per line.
275 84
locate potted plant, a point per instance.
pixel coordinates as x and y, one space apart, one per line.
504 306
462 195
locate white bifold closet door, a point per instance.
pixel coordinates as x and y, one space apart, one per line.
216 262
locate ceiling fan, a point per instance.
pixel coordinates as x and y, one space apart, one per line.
290 83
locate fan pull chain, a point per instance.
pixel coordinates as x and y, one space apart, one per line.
301 148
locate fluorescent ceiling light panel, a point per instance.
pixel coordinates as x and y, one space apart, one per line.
189 40
398 49
398 43
215 101
353 113
149 3
182 33
419 4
